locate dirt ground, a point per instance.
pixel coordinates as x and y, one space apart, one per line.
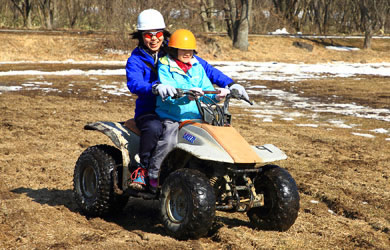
343 179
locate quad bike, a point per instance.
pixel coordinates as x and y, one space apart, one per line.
211 168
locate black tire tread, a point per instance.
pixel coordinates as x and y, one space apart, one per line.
285 200
103 158
202 213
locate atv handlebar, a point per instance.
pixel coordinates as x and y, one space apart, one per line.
209 110
233 93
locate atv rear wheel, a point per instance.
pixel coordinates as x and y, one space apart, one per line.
93 181
187 204
281 200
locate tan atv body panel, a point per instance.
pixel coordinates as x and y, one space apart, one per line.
225 143
204 141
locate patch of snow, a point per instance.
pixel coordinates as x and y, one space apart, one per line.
341 48
340 124
282 31
380 131
257 87
295 101
364 135
307 125
10 88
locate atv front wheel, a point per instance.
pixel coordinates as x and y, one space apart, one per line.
93 181
281 200
187 204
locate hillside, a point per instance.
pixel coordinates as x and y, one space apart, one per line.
37 46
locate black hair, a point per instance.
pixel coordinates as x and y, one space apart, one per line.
172 52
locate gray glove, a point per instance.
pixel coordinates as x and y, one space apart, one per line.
164 90
240 89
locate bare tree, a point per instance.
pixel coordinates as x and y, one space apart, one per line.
237 17
73 10
207 13
25 8
48 10
370 15
238 20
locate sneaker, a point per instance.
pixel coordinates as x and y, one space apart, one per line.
138 179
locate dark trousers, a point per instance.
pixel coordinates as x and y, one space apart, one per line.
151 129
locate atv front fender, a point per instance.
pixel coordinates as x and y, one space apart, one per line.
269 153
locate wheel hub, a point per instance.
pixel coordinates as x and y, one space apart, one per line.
177 206
88 181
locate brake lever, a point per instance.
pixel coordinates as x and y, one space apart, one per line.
235 94
179 93
248 101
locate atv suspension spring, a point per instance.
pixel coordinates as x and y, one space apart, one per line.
213 180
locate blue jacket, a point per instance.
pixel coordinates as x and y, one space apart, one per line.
170 73
141 78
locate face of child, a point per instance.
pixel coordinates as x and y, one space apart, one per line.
185 55
153 39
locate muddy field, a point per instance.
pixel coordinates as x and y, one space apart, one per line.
342 174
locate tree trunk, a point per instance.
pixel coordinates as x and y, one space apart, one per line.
366 22
24 7
203 15
47 12
367 39
211 16
242 29
231 18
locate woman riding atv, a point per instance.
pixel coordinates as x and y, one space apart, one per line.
141 72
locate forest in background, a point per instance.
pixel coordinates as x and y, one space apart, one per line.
364 17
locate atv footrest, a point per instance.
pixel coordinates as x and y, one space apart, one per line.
141 194
242 188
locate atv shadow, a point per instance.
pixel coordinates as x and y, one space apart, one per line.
138 215
51 197
232 222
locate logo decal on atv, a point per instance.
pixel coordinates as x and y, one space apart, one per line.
189 137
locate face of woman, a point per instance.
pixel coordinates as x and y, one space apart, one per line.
185 55
153 39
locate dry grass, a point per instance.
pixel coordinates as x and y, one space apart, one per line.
42 136
64 46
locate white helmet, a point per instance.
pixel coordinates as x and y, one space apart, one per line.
150 19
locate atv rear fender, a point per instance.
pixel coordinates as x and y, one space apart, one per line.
126 140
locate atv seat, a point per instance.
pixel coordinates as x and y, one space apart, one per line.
130 124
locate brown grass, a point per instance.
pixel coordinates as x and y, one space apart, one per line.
64 46
42 137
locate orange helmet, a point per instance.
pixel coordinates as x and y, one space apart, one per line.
182 39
